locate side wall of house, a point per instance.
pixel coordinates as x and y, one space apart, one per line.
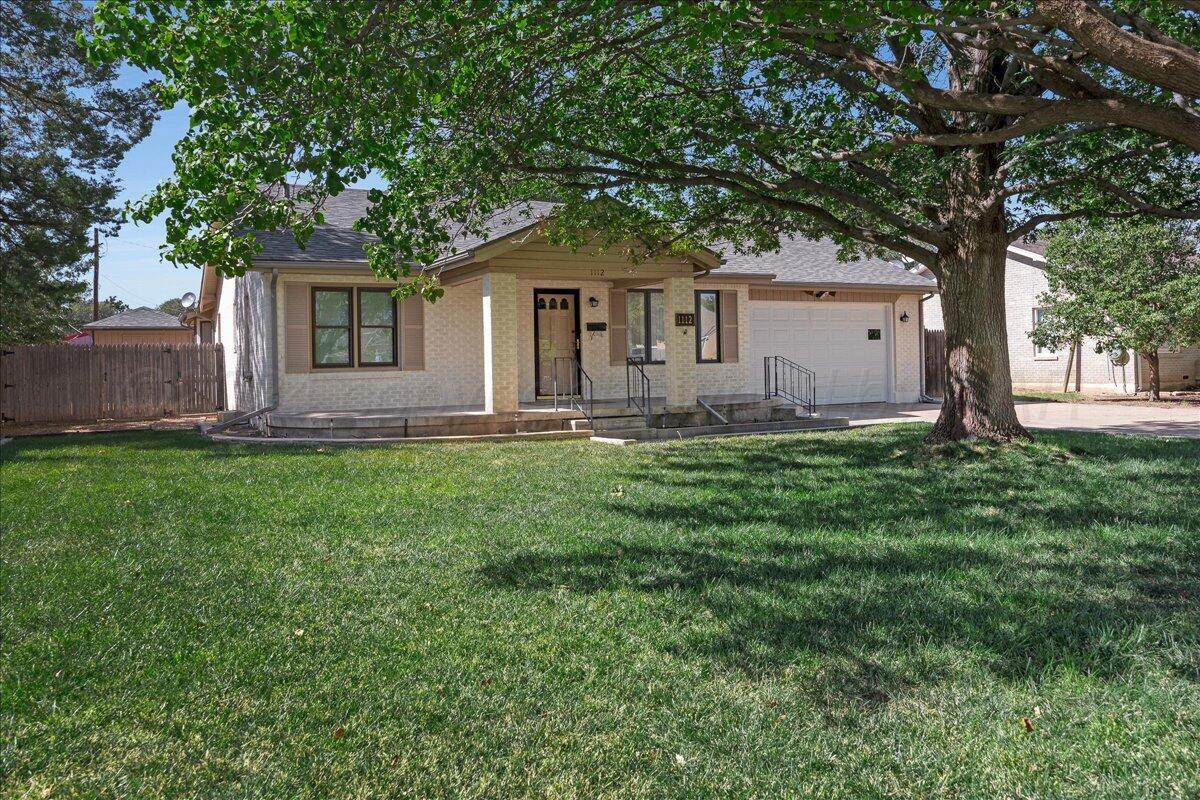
245 324
1091 371
1177 370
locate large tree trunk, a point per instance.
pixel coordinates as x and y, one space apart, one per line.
1155 377
978 398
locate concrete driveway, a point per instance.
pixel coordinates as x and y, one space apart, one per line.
1097 417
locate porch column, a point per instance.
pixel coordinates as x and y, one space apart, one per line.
679 298
499 342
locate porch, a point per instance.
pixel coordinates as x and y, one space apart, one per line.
714 415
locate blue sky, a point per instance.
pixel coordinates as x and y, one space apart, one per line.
130 267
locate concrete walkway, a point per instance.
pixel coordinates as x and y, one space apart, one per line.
1099 418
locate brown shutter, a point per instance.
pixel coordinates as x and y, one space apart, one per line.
297 339
412 333
729 327
618 346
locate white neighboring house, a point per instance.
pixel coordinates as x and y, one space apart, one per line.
1037 368
314 330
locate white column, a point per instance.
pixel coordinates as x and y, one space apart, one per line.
499 341
679 298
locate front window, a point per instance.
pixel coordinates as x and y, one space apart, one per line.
1038 350
646 323
708 327
376 328
331 328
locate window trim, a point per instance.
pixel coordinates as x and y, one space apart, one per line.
349 327
716 330
395 327
646 322
1038 354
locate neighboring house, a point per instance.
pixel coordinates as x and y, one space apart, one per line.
314 329
1037 368
139 326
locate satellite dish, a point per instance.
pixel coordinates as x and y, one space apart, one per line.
188 300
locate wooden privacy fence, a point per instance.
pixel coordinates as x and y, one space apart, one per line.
935 363
68 383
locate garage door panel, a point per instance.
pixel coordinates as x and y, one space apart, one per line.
828 338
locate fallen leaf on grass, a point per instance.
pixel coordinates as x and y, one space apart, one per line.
339 732
1028 725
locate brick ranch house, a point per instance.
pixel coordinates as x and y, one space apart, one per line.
314 330
1042 369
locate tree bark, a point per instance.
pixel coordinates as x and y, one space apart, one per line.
977 402
1155 378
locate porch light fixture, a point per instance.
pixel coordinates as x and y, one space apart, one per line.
593 302
904 317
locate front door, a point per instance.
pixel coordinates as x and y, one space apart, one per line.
556 334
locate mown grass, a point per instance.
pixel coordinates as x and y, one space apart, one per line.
837 615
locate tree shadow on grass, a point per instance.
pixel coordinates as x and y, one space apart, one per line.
896 568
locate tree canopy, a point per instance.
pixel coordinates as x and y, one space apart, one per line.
1126 284
66 125
940 132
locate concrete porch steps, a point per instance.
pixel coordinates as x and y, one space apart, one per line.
644 434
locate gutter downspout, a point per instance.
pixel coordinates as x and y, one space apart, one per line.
273 400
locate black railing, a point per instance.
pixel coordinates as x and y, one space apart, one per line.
574 386
637 387
785 378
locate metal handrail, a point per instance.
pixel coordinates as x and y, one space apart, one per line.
784 378
641 401
716 414
579 394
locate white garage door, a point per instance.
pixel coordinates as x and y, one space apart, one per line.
837 341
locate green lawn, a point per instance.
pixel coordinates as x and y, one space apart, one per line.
830 615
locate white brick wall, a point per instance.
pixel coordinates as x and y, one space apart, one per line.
500 367
906 337
453 373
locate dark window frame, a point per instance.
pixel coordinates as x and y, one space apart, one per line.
395 327
348 327
716 331
646 322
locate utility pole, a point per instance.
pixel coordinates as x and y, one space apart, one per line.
95 274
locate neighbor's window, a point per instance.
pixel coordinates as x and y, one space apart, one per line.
646 325
1038 350
376 328
331 328
708 327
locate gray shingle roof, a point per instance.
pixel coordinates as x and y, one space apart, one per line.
142 317
335 241
815 263
798 261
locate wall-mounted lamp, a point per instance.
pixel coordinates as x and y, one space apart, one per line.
593 302
904 317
